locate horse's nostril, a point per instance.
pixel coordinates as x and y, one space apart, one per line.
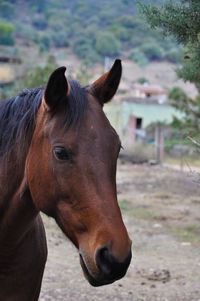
109 266
103 260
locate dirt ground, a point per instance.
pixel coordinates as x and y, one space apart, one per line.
161 208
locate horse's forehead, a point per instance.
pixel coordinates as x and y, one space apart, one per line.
93 125
97 127
95 118
95 115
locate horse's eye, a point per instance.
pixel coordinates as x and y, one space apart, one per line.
61 153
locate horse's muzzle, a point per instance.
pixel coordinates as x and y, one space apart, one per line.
110 269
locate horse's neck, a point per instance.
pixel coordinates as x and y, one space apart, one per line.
11 177
17 211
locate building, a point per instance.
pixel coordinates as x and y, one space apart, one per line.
130 119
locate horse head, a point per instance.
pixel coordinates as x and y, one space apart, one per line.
71 172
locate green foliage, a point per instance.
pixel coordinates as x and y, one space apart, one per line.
107 44
191 66
138 56
190 108
38 5
129 22
152 52
40 23
108 27
44 43
177 94
6 33
178 18
6 92
60 39
84 49
181 19
83 75
81 47
174 56
38 76
142 80
6 10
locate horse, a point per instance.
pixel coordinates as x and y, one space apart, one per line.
58 155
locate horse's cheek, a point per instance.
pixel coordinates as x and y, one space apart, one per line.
41 183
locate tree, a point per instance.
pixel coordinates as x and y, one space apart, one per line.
6 10
181 19
152 52
44 42
38 76
6 33
191 109
84 49
107 44
137 55
83 75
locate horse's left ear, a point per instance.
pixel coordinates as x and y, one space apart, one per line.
106 86
56 89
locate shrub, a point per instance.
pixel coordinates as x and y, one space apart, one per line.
120 32
174 56
138 56
27 33
83 75
6 33
38 76
84 49
107 44
44 43
6 10
152 52
60 39
139 152
81 47
130 22
177 94
40 23
142 80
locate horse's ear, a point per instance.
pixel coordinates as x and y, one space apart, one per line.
106 86
56 89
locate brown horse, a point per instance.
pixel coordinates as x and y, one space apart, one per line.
58 155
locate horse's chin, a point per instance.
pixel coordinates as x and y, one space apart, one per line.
91 279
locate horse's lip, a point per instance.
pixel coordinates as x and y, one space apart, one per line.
93 281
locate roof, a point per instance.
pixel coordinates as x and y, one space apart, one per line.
161 99
150 89
119 114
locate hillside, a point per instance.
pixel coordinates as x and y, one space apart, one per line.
92 29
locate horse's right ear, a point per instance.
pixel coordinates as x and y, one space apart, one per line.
106 86
56 89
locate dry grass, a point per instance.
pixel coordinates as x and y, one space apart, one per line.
189 233
183 161
140 212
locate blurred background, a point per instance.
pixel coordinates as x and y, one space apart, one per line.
156 113
86 36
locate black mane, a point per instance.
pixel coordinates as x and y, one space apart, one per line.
18 115
17 118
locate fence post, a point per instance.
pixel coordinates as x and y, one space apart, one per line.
159 142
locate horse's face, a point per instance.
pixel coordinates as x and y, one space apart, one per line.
72 176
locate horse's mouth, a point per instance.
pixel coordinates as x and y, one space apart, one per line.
93 281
